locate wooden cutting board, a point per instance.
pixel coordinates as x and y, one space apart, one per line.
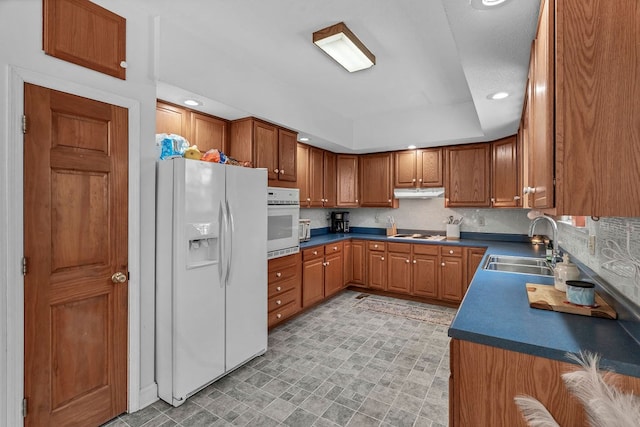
546 297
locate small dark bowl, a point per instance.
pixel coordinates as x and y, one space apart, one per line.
580 292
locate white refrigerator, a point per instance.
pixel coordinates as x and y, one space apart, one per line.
211 273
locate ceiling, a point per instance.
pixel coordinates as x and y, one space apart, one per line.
437 61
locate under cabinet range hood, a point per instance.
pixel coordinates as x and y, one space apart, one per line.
418 193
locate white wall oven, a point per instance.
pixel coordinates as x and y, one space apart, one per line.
283 214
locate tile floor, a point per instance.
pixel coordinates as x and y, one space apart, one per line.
335 365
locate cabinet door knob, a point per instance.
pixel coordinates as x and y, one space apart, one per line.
493 200
335 248
278 288
381 258
451 251
443 264
529 190
407 261
327 262
278 302
375 246
276 170
389 200
357 201
413 180
308 199
281 171
278 274
315 252
414 261
420 180
278 315
516 197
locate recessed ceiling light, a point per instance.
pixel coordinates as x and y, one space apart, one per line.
192 102
498 95
303 139
411 147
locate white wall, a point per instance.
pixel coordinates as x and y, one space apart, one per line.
21 53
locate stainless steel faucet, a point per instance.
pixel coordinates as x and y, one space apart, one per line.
554 227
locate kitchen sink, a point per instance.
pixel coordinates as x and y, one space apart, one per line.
522 265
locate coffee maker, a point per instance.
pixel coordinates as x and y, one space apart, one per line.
339 222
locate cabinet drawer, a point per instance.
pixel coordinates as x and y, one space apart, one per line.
377 246
404 248
279 274
281 300
455 251
333 248
284 261
313 253
282 286
426 249
285 311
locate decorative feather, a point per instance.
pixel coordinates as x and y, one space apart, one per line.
534 412
605 404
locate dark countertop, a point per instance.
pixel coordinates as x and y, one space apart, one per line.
495 311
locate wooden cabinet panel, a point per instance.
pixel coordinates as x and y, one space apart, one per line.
505 191
425 275
312 281
399 271
347 180
329 179
484 381
429 165
405 169
207 132
302 161
171 119
287 155
265 148
333 281
316 177
377 270
376 184
85 34
358 249
467 177
541 163
347 258
474 258
451 278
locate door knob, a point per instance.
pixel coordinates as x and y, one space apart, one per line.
119 277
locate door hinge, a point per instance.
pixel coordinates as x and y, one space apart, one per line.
24 266
24 408
24 123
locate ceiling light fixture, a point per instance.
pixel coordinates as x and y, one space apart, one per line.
492 2
486 4
192 102
303 139
499 95
344 47
411 147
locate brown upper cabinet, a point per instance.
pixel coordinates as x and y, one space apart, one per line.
376 181
267 146
102 44
203 130
468 175
505 173
419 168
347 176
302 162
322 178
586 71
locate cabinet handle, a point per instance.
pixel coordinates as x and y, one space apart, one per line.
327 262
413 180
407 261
414 261
493 200
443 264
335 248
308 199
375 246
278 288
278 315
276 170
420 180
278 302
451 251
357 201
529 190
278 274
389 200
315 252
516 197
281 171
381 258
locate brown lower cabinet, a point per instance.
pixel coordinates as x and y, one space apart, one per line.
484 380
322 272
359 263
377 265
285 288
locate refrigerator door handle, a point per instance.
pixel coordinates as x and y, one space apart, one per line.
229 247
222 225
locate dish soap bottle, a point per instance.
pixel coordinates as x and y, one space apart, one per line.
564 271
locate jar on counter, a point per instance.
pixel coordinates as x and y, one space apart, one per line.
564 271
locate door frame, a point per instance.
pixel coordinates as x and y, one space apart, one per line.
12 249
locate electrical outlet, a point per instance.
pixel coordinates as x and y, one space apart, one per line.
592 245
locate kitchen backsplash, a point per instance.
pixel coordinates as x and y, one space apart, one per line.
617 262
